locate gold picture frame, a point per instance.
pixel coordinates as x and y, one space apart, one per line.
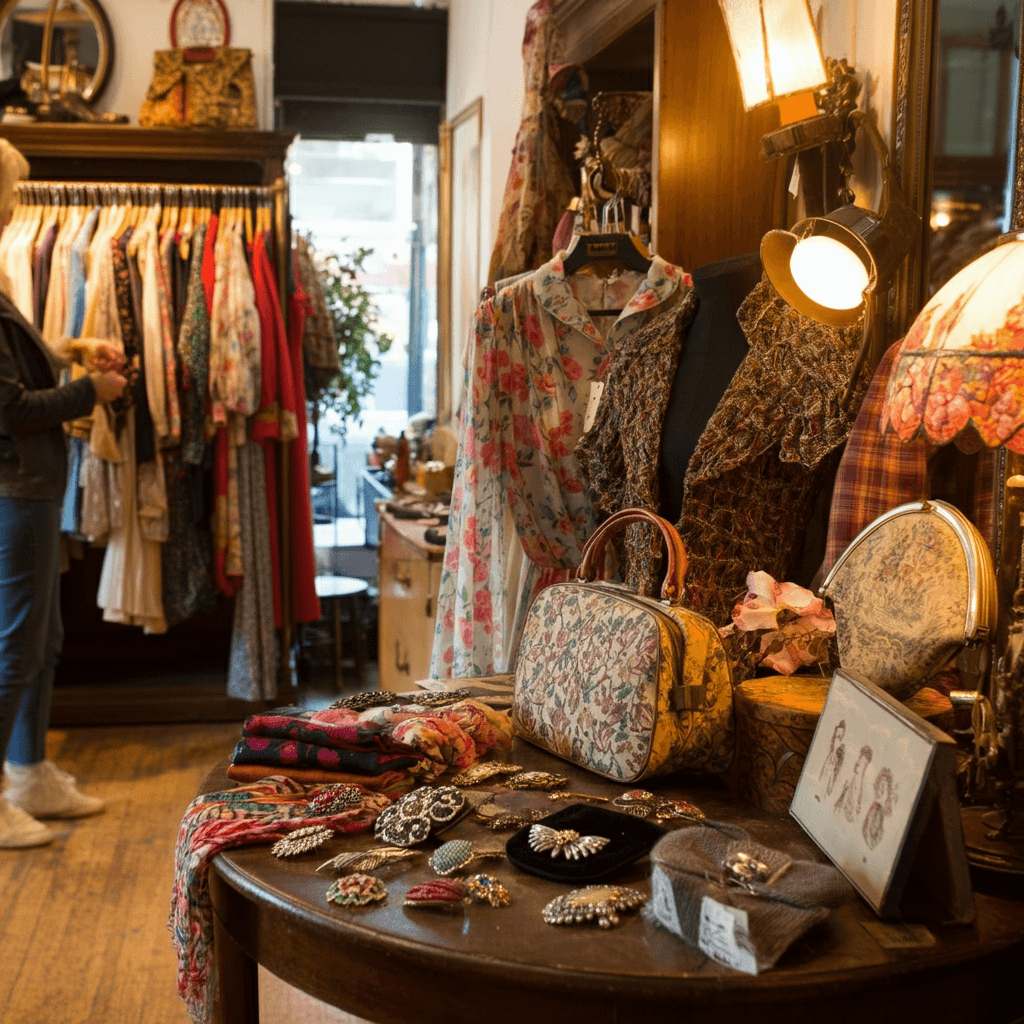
459 255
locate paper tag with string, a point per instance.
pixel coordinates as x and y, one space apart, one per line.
725 935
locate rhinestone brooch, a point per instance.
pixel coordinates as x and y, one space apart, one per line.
457 855
438 698
412 818
500 820
602 903
488 888
302 840
363 701
536 780
333 800
356 890
484 770
565 842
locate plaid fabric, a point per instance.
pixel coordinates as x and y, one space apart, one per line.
879 471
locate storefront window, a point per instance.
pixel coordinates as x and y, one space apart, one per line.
379 195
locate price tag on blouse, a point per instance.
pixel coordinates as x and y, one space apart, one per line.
596 391
725 936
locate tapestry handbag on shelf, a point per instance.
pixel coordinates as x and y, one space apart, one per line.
623 685
914 589
201 88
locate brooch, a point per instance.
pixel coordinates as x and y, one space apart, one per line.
333 800
484 770
363 701
456 855
642 802
498 819
439 698
603 902
413 817
302 840
487 887
567 842
356 890
565 794
536 780
368 860
440 892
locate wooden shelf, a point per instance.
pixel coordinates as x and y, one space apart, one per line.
100 152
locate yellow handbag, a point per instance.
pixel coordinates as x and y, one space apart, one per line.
625 686
209 88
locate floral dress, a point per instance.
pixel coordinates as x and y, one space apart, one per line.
536 353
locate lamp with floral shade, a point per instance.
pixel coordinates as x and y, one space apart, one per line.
958 377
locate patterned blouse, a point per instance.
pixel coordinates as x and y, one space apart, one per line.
535 355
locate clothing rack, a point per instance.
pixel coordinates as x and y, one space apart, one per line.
257 208
272 198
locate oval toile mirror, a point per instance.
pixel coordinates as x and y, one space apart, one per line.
82 49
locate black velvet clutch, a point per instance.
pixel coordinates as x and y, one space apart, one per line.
629 838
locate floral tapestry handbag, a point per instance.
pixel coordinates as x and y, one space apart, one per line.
623 685
914 589
211 87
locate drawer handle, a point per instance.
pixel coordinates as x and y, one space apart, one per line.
403 577
399 664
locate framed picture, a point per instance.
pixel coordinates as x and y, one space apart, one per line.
877 794
459 257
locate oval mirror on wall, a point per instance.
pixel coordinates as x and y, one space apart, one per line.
81 53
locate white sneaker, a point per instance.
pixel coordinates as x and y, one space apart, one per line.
19 830
45 791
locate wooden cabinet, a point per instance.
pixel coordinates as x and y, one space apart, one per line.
409 578
714 196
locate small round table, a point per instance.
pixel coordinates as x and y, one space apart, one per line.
332 590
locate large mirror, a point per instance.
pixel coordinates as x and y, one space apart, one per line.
81 52
955 133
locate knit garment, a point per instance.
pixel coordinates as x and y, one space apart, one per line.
692 861
767 451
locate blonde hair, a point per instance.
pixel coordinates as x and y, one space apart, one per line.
13 167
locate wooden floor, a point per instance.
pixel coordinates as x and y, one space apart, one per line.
83 922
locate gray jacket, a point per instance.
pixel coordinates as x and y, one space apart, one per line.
33 446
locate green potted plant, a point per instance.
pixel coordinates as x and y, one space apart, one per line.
341 385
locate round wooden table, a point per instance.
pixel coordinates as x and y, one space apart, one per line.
506 966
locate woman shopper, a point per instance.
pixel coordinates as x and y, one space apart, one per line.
33 474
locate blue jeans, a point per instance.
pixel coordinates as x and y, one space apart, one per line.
31 631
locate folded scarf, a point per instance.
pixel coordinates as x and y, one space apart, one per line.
287 753
435 740
390 784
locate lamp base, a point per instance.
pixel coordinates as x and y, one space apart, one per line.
985 847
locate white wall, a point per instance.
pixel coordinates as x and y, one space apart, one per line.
864 32
484 59
141 26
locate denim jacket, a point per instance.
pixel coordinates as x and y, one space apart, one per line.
33 407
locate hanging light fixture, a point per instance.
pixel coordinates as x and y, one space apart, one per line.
776 49
830 267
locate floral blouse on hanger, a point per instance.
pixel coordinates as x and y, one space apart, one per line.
535 354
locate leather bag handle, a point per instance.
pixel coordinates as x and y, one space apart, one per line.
675 574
